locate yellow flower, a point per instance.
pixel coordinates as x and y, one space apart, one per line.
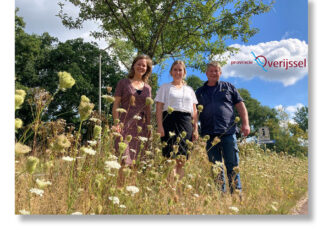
18 123
66 80
237 119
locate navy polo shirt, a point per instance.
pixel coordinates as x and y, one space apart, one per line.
218 101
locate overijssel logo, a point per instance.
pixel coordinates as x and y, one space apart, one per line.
263 63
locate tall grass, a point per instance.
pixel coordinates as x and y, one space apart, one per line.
77 177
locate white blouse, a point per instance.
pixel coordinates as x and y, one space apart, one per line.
180 99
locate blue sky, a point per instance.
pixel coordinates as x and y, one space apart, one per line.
287 20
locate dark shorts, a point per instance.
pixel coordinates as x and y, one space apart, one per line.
176 122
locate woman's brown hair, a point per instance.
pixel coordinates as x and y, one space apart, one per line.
147 74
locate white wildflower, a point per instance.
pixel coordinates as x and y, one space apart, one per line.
235 209
24 212
112 165
196 195
67 158
88 151
122 206
143 139
114 199
113 157
171 134
76 213
136 117
42 183
92 143
37 191
189 186
132 189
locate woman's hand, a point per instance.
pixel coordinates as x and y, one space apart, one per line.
195 136
161 131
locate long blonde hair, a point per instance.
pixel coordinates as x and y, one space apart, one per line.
147 74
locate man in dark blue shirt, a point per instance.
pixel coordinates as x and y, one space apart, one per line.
217 119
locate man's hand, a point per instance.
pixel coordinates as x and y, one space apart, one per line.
245 129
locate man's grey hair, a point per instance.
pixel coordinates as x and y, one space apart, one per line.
214 64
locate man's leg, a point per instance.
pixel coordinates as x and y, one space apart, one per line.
230 155
214 154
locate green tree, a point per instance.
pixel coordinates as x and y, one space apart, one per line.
301 117
194 82
258 114
38 59
191 30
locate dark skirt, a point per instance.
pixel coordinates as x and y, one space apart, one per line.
176 122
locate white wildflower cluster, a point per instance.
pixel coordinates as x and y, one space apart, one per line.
132 189
136 117
92 142
143 139
24 212
67 158
235 209
114 199
76 213
88 151
37 191
42 183
112 165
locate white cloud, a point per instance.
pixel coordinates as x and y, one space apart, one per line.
289 49
40 16
290 110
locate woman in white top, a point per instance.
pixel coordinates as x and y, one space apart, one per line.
175 107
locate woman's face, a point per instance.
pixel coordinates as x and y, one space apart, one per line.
178 72
140 67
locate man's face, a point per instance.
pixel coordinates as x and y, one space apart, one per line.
213 74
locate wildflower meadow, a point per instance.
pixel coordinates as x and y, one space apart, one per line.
60 170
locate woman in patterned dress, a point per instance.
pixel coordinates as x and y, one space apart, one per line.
131 95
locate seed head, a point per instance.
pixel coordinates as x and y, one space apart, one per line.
18 123
109 99
97 131
149 101
170 110
66 80
122 147
128 138
85 108
31 164
21 149
200 108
